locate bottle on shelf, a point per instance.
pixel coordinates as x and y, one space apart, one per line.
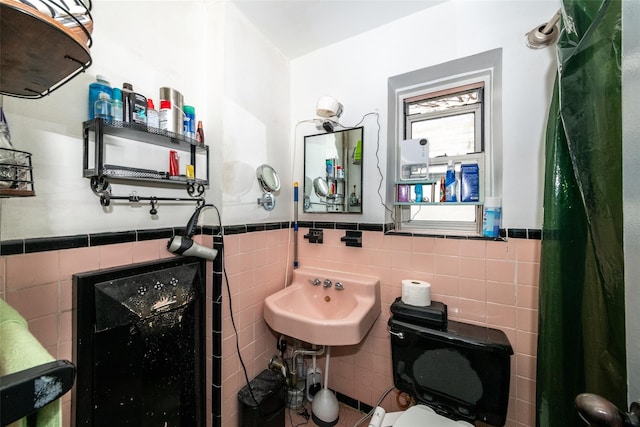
418 190
101 85
200 132
127 90
102 108
450 183
116 105
189 121
353 198
153 118
138 109
165 116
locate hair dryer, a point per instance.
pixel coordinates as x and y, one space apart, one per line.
184 245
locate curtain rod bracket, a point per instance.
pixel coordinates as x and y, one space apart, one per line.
545 34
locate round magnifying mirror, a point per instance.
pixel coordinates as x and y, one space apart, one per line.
268 178
320 187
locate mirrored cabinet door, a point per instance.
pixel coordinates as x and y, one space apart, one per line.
333 172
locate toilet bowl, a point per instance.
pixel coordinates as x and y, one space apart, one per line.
420 415
458 373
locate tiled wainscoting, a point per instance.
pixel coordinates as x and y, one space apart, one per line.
486 282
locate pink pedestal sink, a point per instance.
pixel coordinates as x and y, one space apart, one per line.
325 315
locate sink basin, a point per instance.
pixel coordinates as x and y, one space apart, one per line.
325 316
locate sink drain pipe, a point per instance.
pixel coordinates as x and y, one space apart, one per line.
302 352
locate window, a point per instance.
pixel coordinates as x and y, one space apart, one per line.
454 107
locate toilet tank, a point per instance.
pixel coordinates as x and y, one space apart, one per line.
462 373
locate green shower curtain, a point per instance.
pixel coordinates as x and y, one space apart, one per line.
581 341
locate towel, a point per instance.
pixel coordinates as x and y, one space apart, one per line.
20 350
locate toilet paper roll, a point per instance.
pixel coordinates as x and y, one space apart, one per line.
416 292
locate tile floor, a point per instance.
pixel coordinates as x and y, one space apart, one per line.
348 417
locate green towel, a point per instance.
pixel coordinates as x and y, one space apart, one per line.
20 350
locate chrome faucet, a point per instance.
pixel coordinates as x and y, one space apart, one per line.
339 286
315 282
327 283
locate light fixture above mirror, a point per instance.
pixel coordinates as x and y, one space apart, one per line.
269 183
330 109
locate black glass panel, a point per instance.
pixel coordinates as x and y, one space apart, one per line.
139 345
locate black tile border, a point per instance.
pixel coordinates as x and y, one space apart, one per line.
353 403
12 247
43 244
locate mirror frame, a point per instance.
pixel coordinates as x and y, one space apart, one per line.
323 153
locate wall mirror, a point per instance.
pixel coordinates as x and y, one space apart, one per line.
333 172
269 183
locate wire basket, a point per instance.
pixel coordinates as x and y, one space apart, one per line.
16 173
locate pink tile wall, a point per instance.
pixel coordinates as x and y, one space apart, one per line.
483 282
256 266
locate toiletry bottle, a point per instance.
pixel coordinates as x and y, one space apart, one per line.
138 109
491 217
153 118
189 121
102 107
127 90
450 183
418 190
100 85
165 116
458 168
200 132
116 105
443 191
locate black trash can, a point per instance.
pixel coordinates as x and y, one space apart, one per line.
266 407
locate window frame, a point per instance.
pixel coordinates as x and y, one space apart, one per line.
436 81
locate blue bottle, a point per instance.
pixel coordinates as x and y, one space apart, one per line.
450 183
419 195
101 85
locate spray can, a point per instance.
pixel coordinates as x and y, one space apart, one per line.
165 117
189 121
153 118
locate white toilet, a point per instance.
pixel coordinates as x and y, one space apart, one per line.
458 373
